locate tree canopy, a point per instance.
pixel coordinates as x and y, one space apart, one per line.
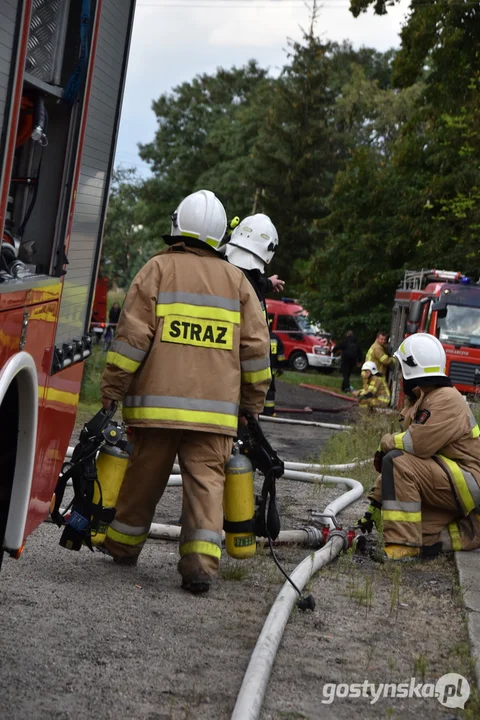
367 162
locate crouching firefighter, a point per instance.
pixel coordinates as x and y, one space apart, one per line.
190 356
428 494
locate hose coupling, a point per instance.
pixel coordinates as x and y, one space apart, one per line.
341 534
315 537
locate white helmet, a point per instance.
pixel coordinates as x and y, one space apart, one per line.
369 365
422 355
253 243
200 215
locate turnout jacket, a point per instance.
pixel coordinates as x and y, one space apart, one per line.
376 353
440 425
192 345
376 388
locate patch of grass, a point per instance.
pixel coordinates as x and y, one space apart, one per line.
359 443
90 391
363 595
332 382
234 573
420 667
395 589
114 296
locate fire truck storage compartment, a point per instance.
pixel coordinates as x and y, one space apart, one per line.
44 156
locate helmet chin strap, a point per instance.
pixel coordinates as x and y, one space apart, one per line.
412 383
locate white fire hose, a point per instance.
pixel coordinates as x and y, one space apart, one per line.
255 682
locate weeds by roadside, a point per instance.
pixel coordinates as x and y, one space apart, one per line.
332 382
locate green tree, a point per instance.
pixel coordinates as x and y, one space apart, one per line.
206 128
127 243
299 151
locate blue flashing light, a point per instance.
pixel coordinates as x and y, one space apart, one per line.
466 280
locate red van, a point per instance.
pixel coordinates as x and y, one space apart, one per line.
306 345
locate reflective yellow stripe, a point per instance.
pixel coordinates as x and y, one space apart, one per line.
398 440
126 539
201 547
269 403
196 417
190 234
258 376
475 431
198 311
401 516
435 369
124 363
455 535
460 483
61 396
213 243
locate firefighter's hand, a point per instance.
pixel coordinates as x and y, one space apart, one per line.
243 420
277 284
377 460
365 524
107 403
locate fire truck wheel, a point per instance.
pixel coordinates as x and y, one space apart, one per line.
299 361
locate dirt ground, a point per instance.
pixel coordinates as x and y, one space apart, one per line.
82 637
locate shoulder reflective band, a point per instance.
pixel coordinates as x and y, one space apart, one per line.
467 489
198 332
254 371
182 410
403 441
196 305
455 536
125 356
474 426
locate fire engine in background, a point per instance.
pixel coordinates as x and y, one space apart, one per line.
98 321
306 345
62 71
445 304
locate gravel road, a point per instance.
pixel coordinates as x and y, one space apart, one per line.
82 637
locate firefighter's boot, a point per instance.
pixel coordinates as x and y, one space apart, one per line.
396 553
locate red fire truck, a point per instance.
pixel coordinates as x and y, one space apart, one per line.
446 304
62 72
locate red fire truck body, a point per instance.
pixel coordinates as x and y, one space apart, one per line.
445 304
62 72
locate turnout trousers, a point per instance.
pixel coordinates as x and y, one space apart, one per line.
202 458
419 505
269 407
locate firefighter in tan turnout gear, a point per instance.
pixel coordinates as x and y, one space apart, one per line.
428 494
376 392
378 354
191 353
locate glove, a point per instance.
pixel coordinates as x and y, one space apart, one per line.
377 460
371 519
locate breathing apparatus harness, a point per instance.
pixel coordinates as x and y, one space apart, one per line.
266 521
83 517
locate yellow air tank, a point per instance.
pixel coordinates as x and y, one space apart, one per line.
111 466
239 507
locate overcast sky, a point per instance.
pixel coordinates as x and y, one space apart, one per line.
173 40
